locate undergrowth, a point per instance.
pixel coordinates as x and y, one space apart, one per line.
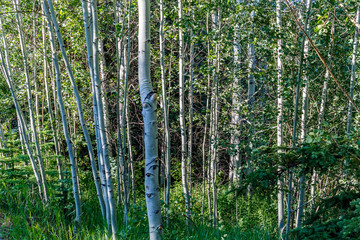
23 216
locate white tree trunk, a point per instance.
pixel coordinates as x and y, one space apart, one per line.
165 109
235 110
184 156
279 128
78 102
305 103
120 55
148 99
29 98
100 118
49 103
73 164
123 121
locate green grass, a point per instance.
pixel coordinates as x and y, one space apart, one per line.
22 216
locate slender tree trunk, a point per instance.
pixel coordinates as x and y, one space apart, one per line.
131 158
78 104
148 99
69 144
166 117
49 103
353 69
191 111
305 107
123 127
29 96
36 84
294 136
120 55
279 128
102 67
184 155
101 121
235 111
214 118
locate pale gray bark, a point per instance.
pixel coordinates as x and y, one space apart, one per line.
294 132
29 98
100 118
184 154
131 157
69 144
148 99
191 111
166 117
36 84
49 103
102 197
279 128
235 110
102 65
305 103
78 102
214 115
123 121
120 55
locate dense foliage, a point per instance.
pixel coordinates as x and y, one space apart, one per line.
324 152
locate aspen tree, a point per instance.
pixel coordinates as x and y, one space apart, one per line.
78 101
104 157
69 144
279 128
184 154
88 30
29 98
123 121
214 116
120 53
305 102
165 109
36 84
148 99
294 132
205 148
235 111
49 102
191 108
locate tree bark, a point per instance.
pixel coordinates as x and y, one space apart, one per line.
29 98
148 99
165 109
69 144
